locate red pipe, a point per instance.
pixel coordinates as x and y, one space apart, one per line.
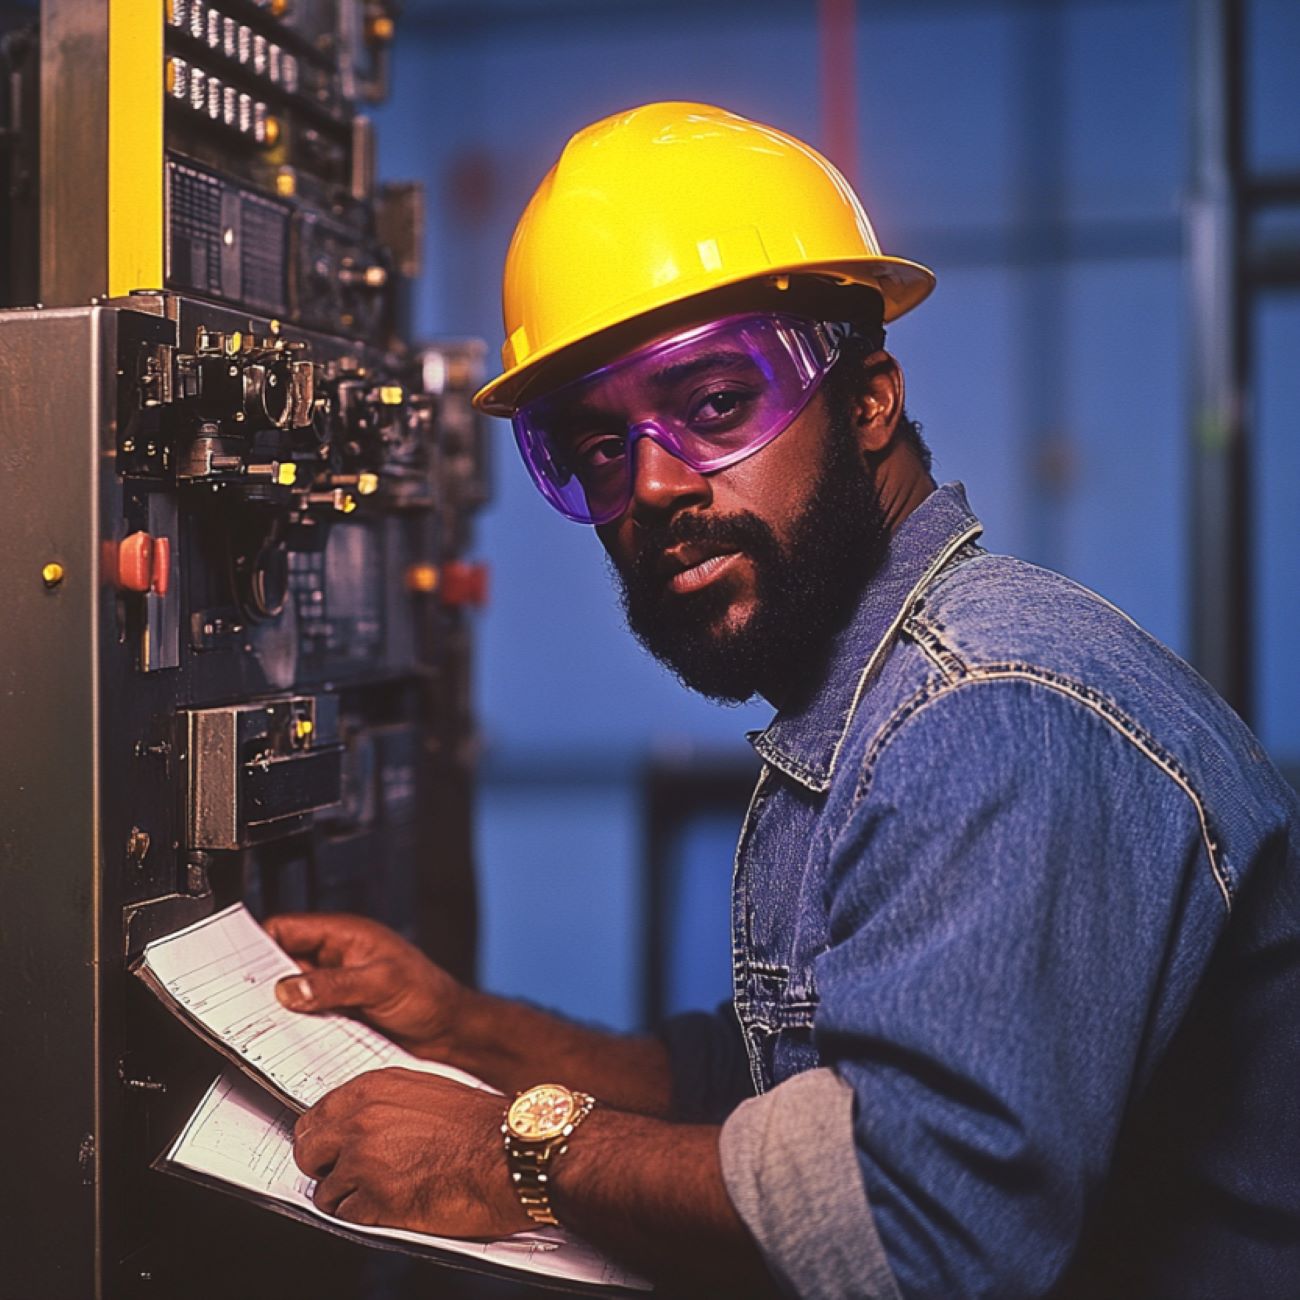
837 27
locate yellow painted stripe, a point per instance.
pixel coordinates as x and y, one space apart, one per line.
135 145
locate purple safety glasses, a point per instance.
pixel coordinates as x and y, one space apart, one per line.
710 396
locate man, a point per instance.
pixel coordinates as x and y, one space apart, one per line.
1017 901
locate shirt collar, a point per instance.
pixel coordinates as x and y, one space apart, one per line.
804 741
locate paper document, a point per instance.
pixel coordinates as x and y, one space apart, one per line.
220 975
242 1137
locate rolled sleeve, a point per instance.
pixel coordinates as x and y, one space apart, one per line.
1020 912
791 1169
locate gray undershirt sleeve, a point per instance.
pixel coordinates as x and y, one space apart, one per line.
790 1164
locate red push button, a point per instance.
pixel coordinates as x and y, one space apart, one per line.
144 563
135 562
463 583
161 569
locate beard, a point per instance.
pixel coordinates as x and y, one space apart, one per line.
804 588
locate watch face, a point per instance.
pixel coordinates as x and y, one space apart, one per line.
541 1112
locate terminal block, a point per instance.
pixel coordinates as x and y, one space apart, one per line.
260 770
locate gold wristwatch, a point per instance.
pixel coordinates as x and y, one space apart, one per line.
537 1128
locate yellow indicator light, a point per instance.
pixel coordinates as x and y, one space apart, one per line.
52 575
345 502
303 728
422 577
286 182
287 474
234 343
274 327
381 29
279 8
391 395
367 483
272 132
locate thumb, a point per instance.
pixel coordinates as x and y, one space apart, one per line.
330 987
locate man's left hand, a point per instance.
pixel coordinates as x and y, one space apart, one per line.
410 1150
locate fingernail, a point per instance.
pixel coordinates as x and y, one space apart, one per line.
294 992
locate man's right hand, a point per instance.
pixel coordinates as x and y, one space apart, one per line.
355 964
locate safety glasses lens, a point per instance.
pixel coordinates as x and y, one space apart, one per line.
710 397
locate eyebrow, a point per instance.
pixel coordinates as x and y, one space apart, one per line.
675 373
582 419
585 417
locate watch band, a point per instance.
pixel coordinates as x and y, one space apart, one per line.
530 1162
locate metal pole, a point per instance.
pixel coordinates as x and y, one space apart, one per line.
1221 597
1049 456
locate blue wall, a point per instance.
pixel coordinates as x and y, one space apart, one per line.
1036 156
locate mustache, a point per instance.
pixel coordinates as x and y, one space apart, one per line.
741 531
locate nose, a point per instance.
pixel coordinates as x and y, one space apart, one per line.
663 483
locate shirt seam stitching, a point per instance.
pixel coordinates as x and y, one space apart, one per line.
740 926
935 567
803 773
1090 699
926 637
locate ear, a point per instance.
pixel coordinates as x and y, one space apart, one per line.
878 406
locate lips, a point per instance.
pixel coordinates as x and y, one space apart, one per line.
694 565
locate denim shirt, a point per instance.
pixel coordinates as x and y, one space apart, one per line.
1016 942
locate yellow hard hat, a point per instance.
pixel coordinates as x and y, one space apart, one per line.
659 204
